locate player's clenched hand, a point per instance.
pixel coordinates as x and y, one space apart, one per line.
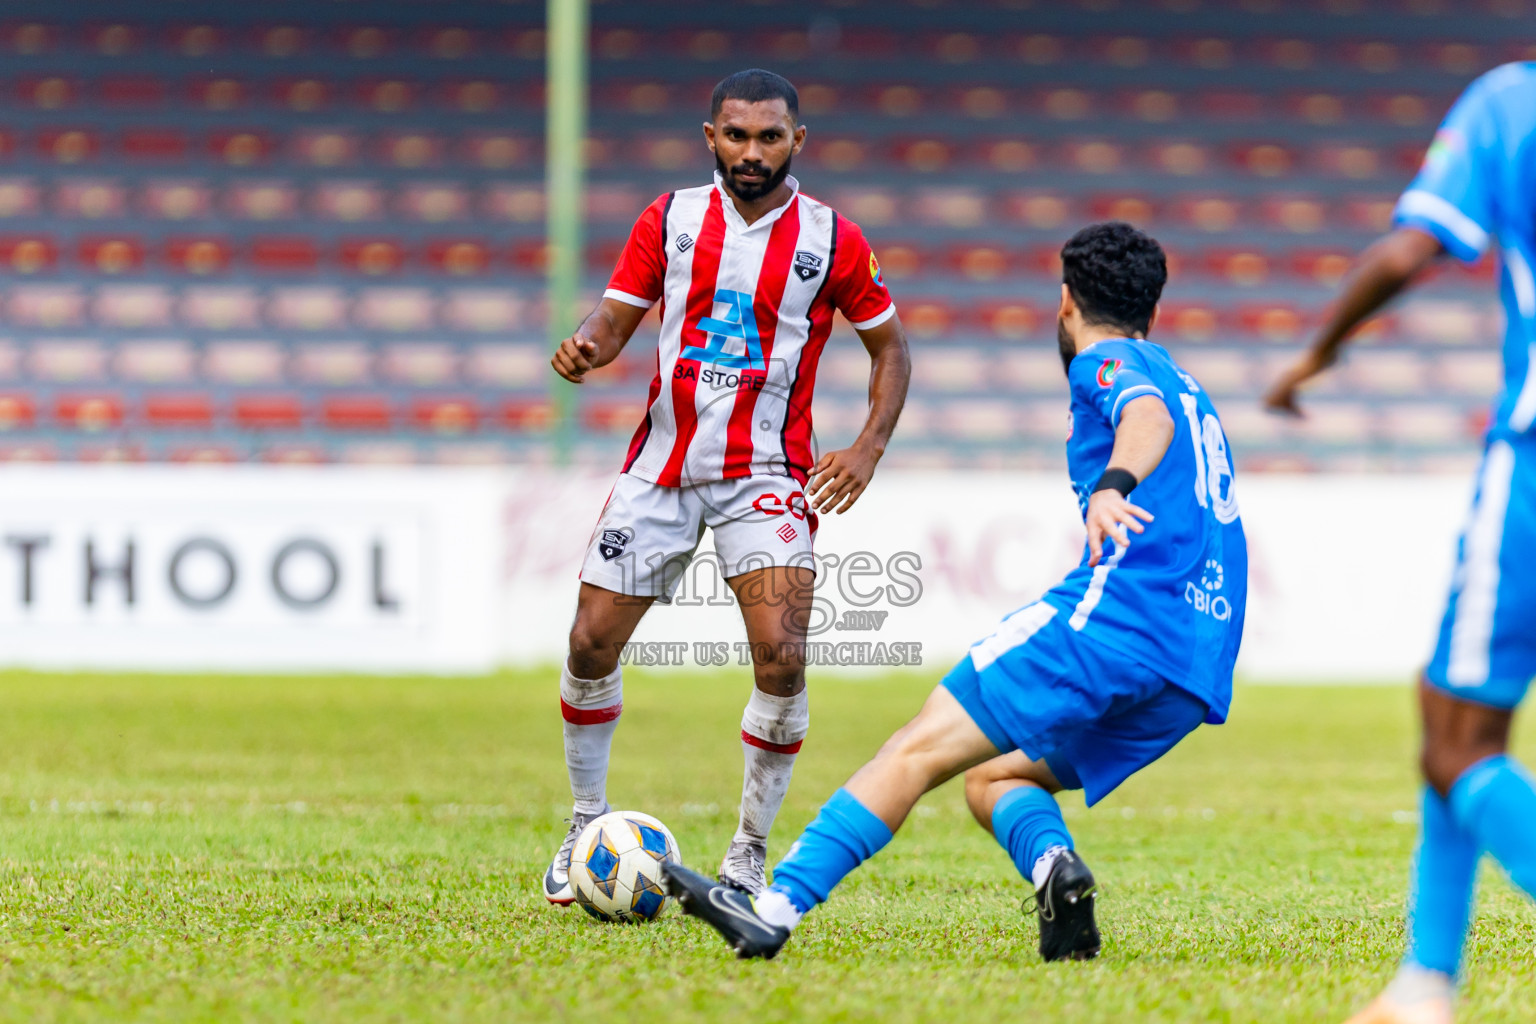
574 357
1111 515
841 476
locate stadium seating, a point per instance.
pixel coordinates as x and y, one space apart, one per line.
317 235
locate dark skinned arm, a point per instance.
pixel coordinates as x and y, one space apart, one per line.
1382 271
840 477
599 339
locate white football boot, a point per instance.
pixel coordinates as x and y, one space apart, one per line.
745 867
557 880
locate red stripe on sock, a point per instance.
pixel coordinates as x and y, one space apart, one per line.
590 716
777 748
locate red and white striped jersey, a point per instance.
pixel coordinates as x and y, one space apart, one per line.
746 311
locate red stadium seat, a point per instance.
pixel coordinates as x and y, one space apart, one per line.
473 96
303 94
1405 109
240 148
1373 56
1155 106
17 411
1302 215
1288 54
31 37
1123 51
196 40
30 452
613 416
445 415
387 95
1207 52
161 144
1265 159
68 145
1327 267
284 254
372 256
198 255
356 412
1012 321
412 151
1094 156
111 255
928 319
49 92
114 39
269 412
132 91
221 93
1063 104
926 155
448 43
461 257
111 452
1180 158
1134 209
497 151
979 262
528 414
26 254
1273 322
1039 209
956 48
1211 214
182 411
294 455
1319 108
1372 214
282 40
88 412
1349 161
365 42
1189 322
1233 106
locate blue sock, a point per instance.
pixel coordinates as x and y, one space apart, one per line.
1494 801
844 835
1444 873
1027 822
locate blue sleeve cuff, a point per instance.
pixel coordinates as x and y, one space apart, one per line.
1463 237
1134 391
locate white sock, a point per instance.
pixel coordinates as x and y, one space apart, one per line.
772 729
1043 863
1415 984
591 709
774 907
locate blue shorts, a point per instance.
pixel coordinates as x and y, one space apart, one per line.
1094 715
1487 647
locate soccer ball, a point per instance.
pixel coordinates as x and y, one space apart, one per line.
616 866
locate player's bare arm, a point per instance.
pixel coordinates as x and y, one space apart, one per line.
1383 271
1141 441
599 339
841 476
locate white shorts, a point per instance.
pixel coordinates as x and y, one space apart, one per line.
647 535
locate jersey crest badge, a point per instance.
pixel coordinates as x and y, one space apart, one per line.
684 242
874 271
613 542
807 265
1107 370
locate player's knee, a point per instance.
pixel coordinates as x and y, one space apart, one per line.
778 669
1443 763
591 656
977 782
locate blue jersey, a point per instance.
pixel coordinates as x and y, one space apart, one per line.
1174 599
1477 188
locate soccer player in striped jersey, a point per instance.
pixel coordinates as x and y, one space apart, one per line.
1104 674
749 272
1476 189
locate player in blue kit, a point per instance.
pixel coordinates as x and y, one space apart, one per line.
1476 189
1094 681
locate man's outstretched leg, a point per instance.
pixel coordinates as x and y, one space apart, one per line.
853 826
591 700
1013 798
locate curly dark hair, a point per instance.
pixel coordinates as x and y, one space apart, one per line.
755 85
1116 275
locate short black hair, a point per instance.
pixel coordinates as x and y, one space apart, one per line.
1116 275
755 85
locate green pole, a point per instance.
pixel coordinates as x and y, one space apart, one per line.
566 127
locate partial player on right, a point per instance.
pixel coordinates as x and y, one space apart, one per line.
1477 188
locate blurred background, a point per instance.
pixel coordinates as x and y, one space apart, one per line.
315 232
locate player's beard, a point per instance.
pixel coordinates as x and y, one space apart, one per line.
1065 345
750 193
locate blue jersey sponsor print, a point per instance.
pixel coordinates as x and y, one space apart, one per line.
1475 191
1173 600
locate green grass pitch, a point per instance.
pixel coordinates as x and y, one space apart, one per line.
220 849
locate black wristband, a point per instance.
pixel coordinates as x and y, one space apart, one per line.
1122 480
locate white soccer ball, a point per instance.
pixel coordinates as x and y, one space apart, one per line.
616 866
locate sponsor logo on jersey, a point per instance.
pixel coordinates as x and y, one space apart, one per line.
1204 598
684 242
874 271
807 265
613 542
1107 370
786 533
